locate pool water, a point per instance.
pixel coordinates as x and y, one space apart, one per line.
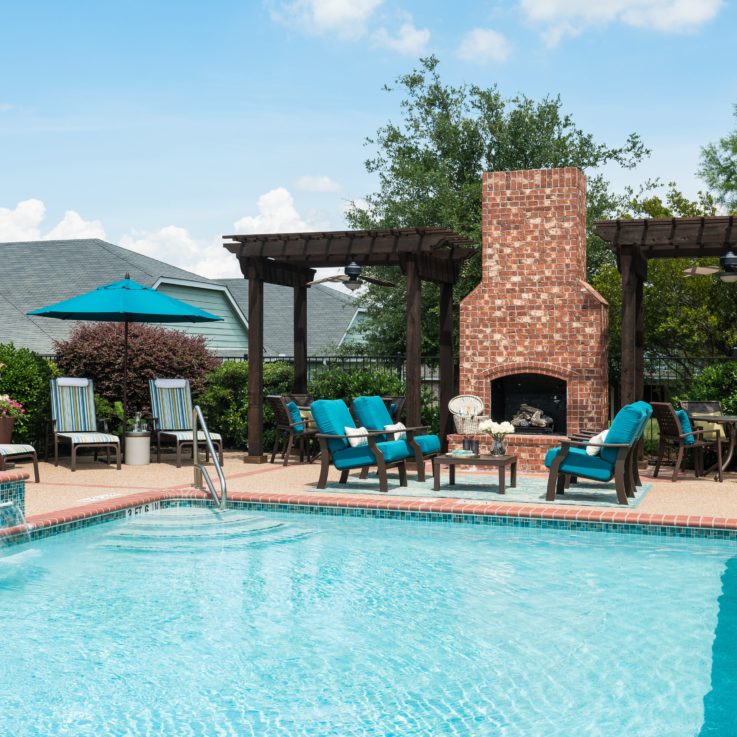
186 622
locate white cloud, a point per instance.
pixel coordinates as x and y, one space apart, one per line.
6 107
408 40
571 17
484 45
172 243
347 18
317 184
276 214
23 223
72 225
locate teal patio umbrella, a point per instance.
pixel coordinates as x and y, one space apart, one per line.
125 301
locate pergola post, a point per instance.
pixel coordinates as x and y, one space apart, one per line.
633 268
446 360
300 338
413 404
255 362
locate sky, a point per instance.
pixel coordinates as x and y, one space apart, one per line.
162 126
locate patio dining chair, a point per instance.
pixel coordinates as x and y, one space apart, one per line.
171 411
74 420
291 429
676 432
332 419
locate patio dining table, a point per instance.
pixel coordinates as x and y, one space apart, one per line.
730 427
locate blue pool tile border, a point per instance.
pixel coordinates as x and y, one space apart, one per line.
493 520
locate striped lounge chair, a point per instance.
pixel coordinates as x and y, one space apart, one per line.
74 420
171 409
16 452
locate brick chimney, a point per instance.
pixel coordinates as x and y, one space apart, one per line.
534 330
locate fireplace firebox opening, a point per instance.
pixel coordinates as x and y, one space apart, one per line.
533 403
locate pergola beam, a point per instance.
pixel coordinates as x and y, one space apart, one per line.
289 259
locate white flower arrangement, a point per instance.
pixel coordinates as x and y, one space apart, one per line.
497 430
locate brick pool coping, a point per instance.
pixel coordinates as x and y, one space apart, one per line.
67 518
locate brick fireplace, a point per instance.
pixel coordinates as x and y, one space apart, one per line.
534 332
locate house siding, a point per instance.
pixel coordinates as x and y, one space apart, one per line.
226 338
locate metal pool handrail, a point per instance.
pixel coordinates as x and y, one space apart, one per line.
200 470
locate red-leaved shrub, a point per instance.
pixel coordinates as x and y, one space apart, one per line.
95 351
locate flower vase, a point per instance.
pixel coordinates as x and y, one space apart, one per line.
6 429
498 448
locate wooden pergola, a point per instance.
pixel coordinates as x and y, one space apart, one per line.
290 260
636 241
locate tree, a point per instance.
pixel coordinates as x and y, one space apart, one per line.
719 168
430 165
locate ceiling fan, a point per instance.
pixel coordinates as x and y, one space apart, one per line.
727 264
352 278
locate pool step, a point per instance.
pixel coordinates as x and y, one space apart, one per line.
193 529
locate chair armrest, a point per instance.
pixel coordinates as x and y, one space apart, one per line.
699 432
369 433
585 443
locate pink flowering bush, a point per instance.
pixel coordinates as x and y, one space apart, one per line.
9 407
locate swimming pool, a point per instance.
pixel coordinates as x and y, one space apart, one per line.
177 623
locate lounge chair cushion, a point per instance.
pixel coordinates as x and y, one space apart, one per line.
392 450
296 416
90 438
685 422
332 417
579 463
185 436
428 444
73 405
16 449
625 429
372 412
171 403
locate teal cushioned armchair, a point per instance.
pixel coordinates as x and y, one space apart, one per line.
615 460
331 417
373 415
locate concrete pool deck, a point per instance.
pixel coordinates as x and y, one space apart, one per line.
95 489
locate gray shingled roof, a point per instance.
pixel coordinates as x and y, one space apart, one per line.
329 314
39 273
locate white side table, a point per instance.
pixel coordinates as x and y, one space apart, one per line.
137 448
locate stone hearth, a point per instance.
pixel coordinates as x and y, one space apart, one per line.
533 312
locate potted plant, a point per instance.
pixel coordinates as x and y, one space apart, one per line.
499 432
9 411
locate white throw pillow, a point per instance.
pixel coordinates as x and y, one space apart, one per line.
593 450
397 430
358 436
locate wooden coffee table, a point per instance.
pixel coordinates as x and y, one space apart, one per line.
501 462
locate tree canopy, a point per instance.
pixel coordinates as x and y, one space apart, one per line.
719 168
429 167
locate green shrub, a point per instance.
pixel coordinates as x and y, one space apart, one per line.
225 401
25 376
718 381
339 383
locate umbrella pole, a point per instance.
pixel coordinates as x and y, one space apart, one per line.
125 380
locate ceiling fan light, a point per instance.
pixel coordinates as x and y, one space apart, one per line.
353 284
728 277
